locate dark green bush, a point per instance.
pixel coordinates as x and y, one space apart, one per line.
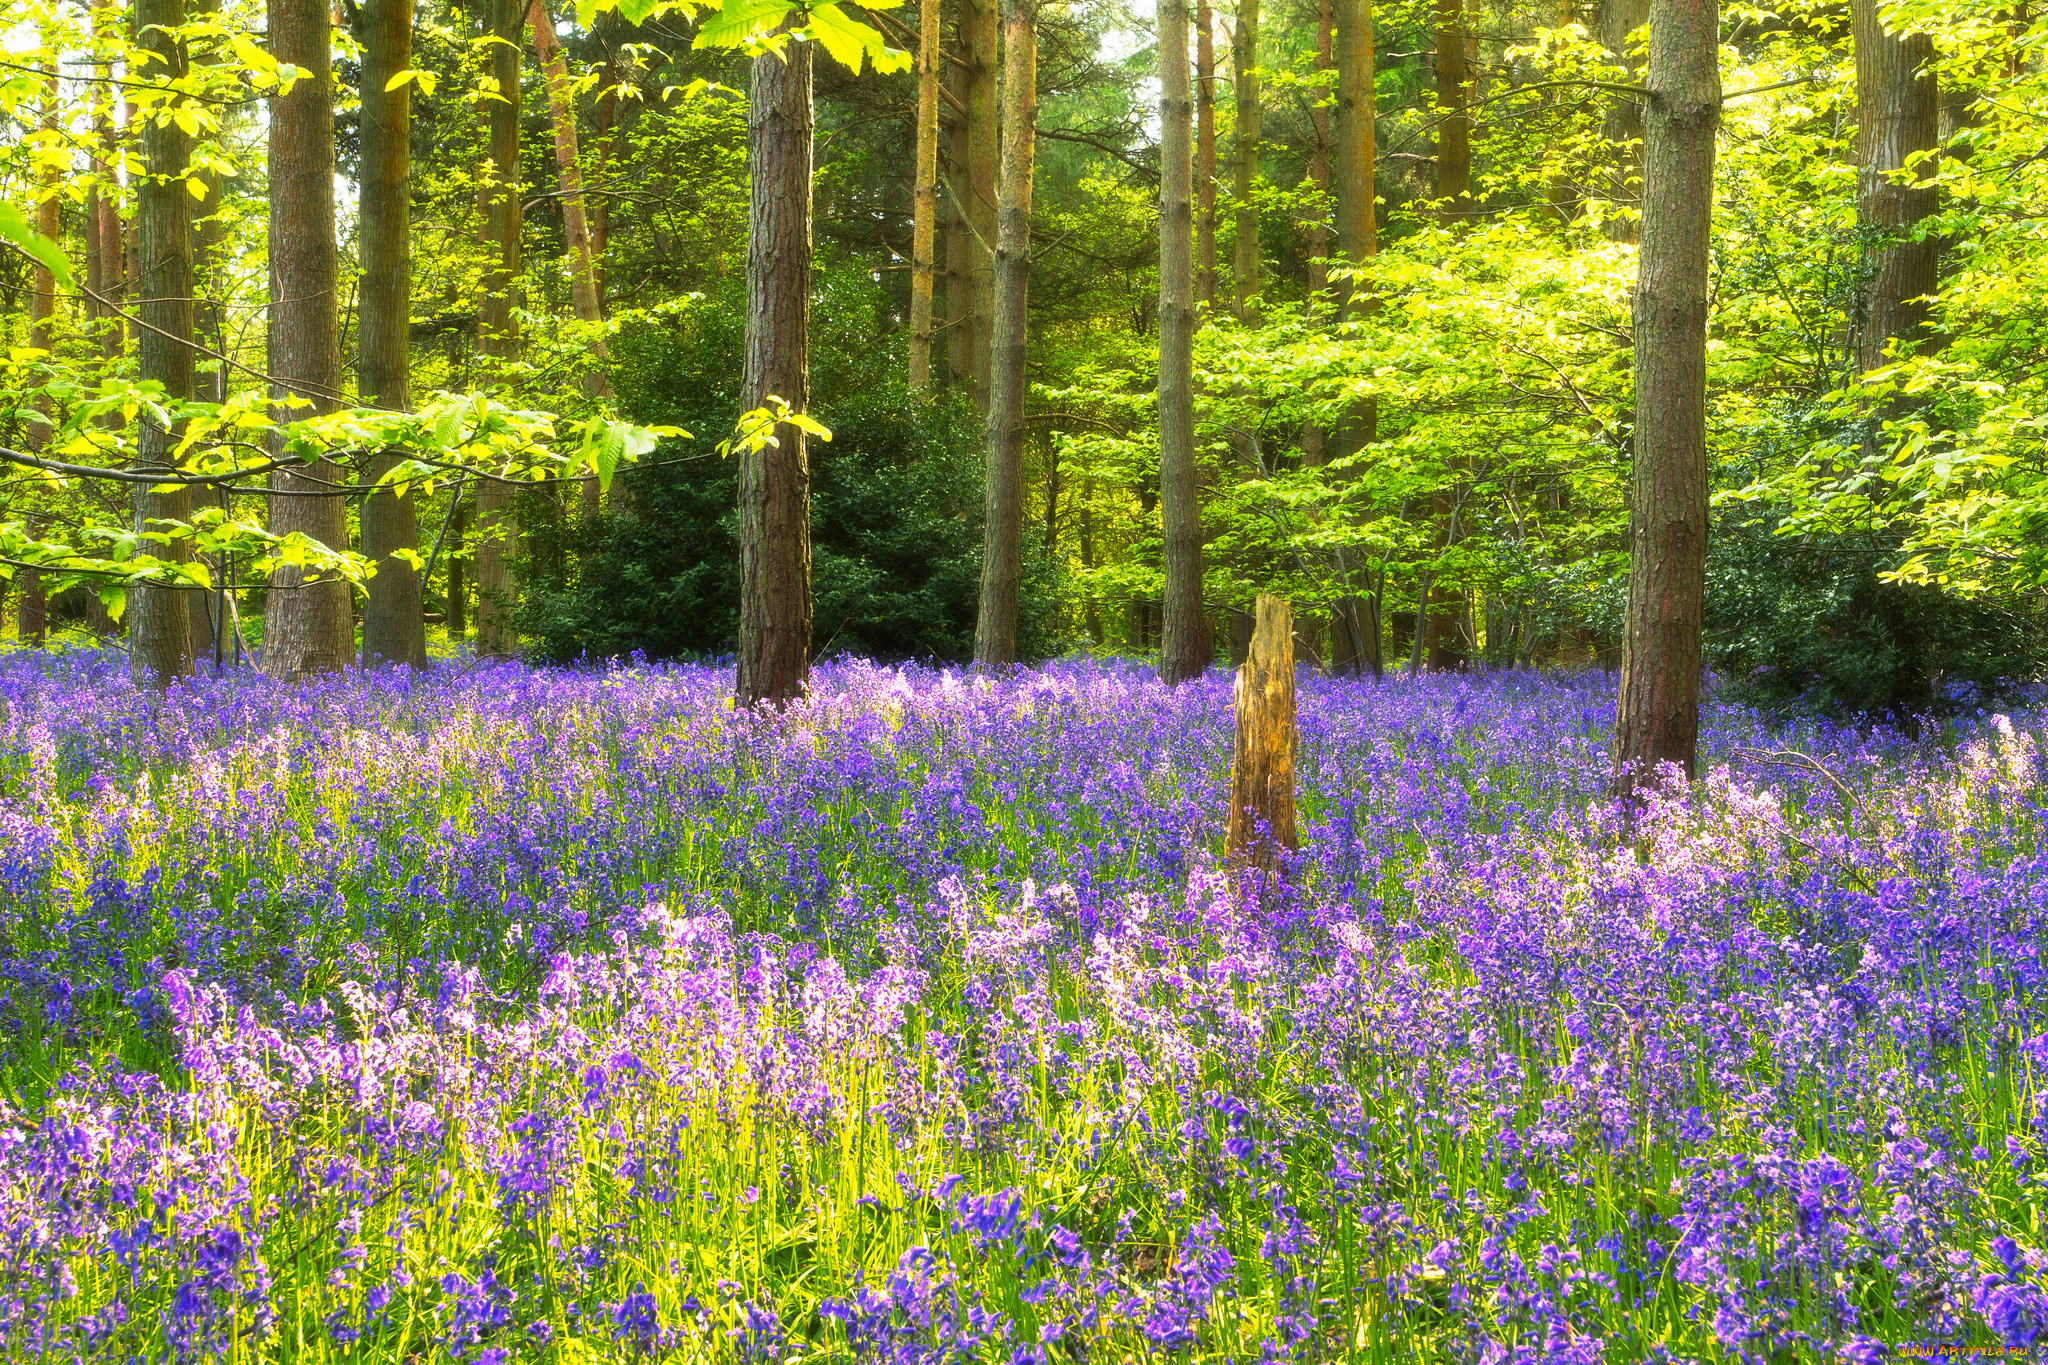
1808 625
896 505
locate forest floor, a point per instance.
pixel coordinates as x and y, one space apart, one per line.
509 1014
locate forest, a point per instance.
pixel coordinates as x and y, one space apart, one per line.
1023 681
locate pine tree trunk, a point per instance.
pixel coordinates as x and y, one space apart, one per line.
1898 117
584 288
1205 156
311 628
1244 66
394 624
1181 654
774 482
1657 718
159 623
1454 125
925 210
978 40
1619 20
497 587
1002 557
1354 641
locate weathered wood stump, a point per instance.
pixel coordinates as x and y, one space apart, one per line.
1262 775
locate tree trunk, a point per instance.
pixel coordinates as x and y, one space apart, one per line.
1898 121
1002 556
306 629
31 616
1619 19
925 210
160 636
978 40
1244 59
106 262
394 624
456 617
1454 126
584 288
1205 156
1657 719
1180 648
498 333
775 481
1354 641
1262 771
1319 155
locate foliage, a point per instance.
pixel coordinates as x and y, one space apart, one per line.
895 510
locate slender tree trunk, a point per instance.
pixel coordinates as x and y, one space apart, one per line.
1319 155
1245 66
1180 649
306 629
30 614
1002 557
1898 124
1657 718
925 211
160 636
456 617
1354 642
498 333
585 289
959 241
775 482
1619 20
978 40
1454 128
394 614
106 261
1205 156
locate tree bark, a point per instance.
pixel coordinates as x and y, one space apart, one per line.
1319 154
1262 771
925 209
497 585
1454 126
1619 19
311 628
30 614
774 482
160 638
1002 559
1354 641
394 624
1245 67
456 617
1898 122
1205 156
1657 717
1185 633
978 41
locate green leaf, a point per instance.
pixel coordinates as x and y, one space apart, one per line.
739 21
15 228
848 40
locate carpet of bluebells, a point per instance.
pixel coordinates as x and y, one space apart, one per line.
518 1015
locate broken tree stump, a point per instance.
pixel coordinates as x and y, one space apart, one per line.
1262 774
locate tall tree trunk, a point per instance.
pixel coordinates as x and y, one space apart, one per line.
1244 59
1185 633
1319 155
498 333
1205 156
394 614
30 617
1002 556
106 260
456 618
1354 644
775 481
925 211
1657 717
160 636
309 628
1898 119
1454 127
584 288
1619 20
978 41
208 610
